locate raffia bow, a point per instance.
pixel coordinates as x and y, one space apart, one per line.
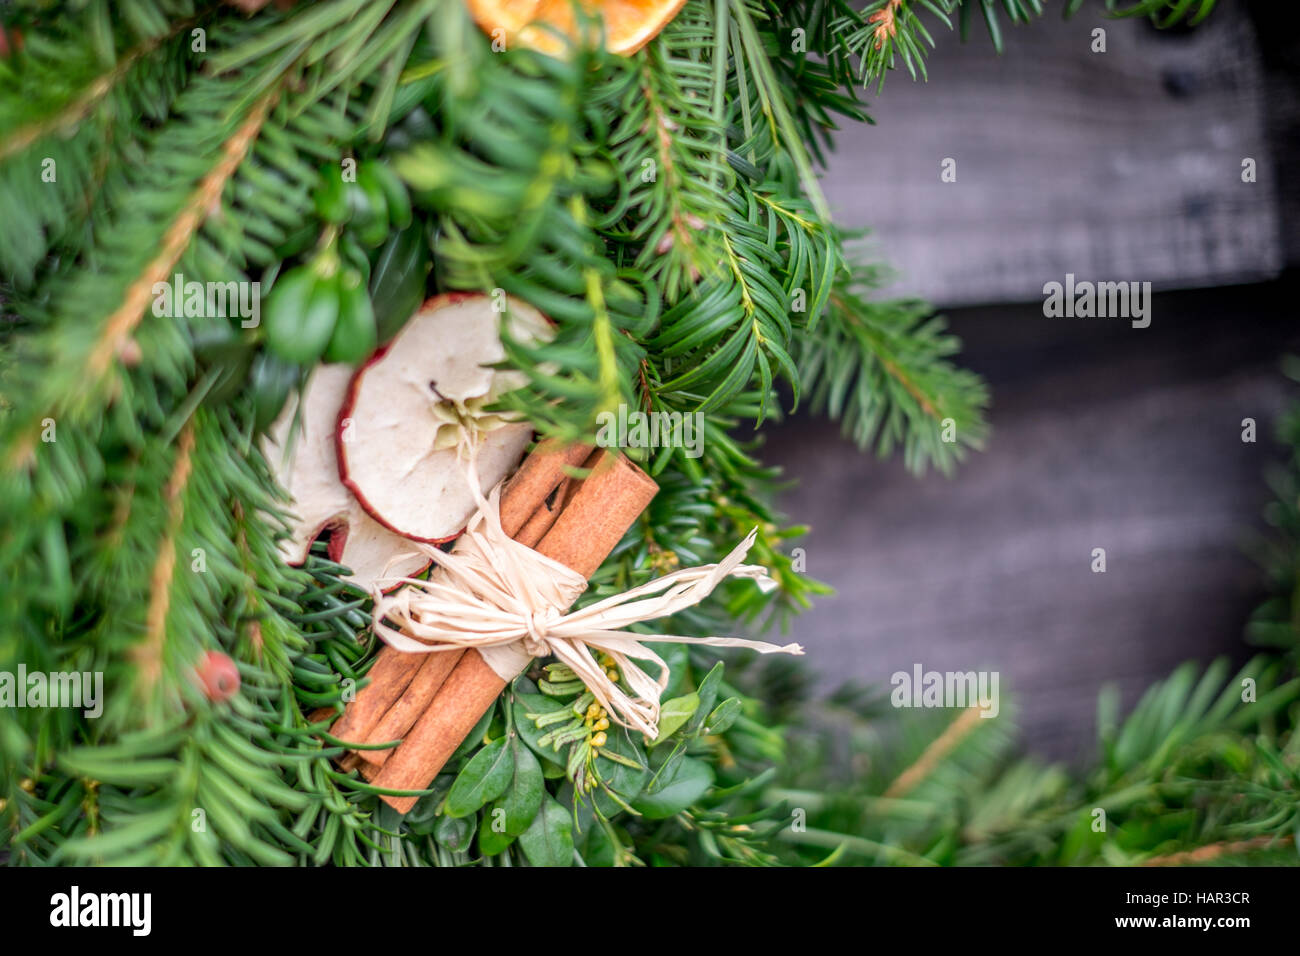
507 601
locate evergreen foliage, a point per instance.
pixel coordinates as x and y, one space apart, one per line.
1194 773
663 210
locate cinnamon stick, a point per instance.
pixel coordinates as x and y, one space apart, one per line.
406 709
540 474
601 509
403 684
543 518
389 676
536 526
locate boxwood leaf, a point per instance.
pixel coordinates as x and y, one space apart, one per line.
674 714
475 736
525 704
624 780
484 778
491 840
424 816
598 849
723 716
708 691
677 788
397 280
548 841
524 795
677 657
454 833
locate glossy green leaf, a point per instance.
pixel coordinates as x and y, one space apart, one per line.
708 692
524 794
397 280
723 716
674 714
455 833
624 780
475 737
484 778
597 849
491 840
525 704
548 841
684 782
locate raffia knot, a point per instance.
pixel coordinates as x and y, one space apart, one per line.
539 623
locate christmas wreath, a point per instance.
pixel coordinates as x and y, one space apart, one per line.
274 276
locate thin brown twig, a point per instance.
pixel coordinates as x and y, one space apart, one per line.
939 748
1213 851
148 654
895 372
680 233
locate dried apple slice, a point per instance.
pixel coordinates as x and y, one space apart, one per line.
411 405
308 470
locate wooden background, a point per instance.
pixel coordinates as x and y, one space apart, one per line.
1117 166
1123 164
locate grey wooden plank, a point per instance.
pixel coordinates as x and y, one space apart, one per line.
1122 165
1278 33
1103 437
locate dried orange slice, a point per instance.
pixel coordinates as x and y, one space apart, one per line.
629 24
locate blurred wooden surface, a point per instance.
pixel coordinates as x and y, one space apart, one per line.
1117 165
1103 436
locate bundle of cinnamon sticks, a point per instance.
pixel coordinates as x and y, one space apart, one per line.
432 701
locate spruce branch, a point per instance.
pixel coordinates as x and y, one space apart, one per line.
76 111
883 34
115 499
886 32
882 368
1192 750
667 145
1163 13
119 325
61 117
203 201
727 333
754 71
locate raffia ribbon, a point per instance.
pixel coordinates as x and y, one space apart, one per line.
508 602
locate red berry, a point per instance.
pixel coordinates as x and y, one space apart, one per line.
219 676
